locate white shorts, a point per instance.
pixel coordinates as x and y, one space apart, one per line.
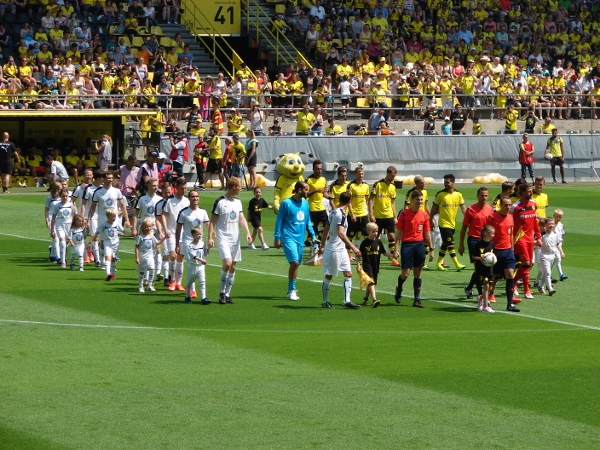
334 262
537 253
93 226
145 265
169 243
447 103
110 250
230 251
62 230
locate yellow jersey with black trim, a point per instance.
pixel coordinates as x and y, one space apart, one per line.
360 194
335 190
315 201
448 204
384 197
408 199
541 203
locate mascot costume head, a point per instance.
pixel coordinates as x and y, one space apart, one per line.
291 170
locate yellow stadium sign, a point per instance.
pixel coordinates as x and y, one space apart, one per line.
215 17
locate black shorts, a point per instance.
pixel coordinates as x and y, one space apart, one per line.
345 101
318 218
412 254
447 236
213 166
387 225
252 161
557 161
471 242
255 221
506 260
360 226
6 167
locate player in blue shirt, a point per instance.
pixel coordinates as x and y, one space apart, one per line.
293 221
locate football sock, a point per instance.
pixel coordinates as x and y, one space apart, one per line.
178 272
417 288
526 279
473 281
202 282
229 283
291 285
455 259
518 274
171 270
96 251
401 281
392 245
347 288
158 261
558 262
223 280
150 277
63 250
55 247
325 289
441 255
510 291
141 279
107 265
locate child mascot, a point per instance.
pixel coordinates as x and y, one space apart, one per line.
291 170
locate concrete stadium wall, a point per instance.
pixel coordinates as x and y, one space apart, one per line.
464 156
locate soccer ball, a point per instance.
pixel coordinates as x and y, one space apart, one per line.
547 156
489 259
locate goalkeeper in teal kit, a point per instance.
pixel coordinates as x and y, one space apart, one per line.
293 221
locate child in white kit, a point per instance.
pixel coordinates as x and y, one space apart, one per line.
109 234
550 251
196 271
145 249
436 236
77 240
62 216
559 229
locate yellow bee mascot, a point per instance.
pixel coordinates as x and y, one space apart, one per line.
291 169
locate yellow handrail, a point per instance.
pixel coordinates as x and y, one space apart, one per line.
253 18
193 18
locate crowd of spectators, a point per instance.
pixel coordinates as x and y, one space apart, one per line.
539 54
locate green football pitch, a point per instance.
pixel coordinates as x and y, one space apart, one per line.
90 364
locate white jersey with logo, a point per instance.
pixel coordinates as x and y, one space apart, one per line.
88 196
171 209
195 251
146 248
106 198
109 233
146 205
227 224
190 218
48 202
77 236
64 213
336 219
78 194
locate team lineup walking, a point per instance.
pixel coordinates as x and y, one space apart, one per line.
174 234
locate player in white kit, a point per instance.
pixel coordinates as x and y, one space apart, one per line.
62 216
170 212
196 262
109 232
77 241
189 217
145 251
226 218
92 220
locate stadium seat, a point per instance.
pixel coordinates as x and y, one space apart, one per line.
337 43
125 40
279 9
362 102
165 41
137 42
158 31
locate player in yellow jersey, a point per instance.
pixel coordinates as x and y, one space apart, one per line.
358 212
215 156
382 208
447 202
317 188
338 186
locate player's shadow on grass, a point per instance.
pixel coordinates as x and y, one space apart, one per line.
294 306
260 297
177 301
453 310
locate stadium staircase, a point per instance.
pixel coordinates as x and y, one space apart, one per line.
275 47
203 60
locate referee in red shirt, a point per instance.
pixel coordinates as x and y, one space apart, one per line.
413 230
475 219
503 224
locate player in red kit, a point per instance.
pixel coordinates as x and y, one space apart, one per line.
526 233
503 224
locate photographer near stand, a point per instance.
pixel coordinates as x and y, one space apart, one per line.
179 151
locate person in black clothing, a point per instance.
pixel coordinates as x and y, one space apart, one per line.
485 274
530 120
459 120
429 116
192 117
8 152
371 249
255 207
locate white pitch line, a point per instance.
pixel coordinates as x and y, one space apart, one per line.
270 331
445 302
